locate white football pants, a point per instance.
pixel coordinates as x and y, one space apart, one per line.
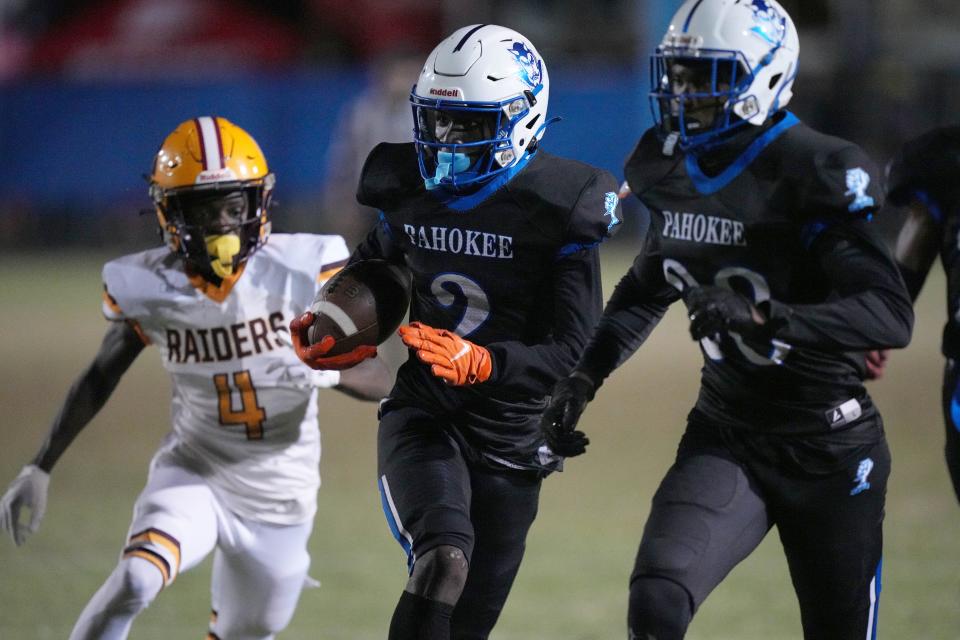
258 569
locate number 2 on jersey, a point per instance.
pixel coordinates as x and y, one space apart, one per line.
251 415
477 304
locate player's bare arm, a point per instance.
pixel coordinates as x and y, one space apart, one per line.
120 347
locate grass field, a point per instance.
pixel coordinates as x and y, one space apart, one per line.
573 584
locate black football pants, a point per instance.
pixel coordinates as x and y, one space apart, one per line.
951 420
825 494
432 495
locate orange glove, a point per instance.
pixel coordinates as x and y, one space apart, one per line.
450 357
313 354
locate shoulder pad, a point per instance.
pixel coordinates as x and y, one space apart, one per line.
647 164
597 214
930 162
317 256
390 172
580 197
128 282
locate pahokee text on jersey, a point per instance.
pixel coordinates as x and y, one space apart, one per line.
515 270
782 218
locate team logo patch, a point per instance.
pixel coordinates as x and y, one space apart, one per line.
770 25
610 201
863 472
857 182
531 69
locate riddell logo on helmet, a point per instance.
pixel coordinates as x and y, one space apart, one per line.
216 175
445 93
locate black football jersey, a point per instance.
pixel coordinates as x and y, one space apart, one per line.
780 216
516 271
928 169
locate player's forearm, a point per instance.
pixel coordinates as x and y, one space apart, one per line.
533 369
524 370
120 347
871 320
628 319
84 400
619 334
868 306
913 279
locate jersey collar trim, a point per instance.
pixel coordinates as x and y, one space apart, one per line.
707 185
212 291
465 203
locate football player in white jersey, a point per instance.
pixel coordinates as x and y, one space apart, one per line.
239 472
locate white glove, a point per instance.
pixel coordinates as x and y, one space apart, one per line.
324 379
29 489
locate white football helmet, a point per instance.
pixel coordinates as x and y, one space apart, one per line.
744 51
479 106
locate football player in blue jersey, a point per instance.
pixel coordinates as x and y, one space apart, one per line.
923 177
502 239
761 225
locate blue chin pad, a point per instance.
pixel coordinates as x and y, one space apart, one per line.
447 164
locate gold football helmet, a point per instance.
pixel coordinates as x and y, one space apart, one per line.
211 188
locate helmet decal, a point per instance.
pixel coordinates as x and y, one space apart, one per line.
211 146
531 68
771 26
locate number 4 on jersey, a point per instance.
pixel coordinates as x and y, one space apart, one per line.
251 415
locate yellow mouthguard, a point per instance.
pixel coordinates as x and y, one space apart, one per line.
222 250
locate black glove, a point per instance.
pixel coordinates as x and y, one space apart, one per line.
714 309
570 398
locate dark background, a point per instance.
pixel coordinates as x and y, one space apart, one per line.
89 89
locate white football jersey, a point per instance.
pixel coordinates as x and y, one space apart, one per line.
244 406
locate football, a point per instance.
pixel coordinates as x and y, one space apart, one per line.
361 305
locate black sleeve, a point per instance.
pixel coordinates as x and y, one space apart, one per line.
90 391
635 308
533 369
577 294
913 279
840 182
927 168
383 241
597 214
868 308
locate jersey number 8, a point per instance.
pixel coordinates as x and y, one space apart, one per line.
678 276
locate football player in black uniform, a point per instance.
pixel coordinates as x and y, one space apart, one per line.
923 176
761 225
502 240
